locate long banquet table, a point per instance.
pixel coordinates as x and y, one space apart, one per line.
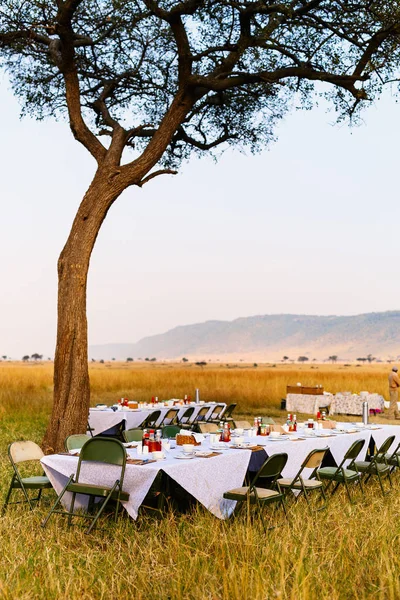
206 479
102 419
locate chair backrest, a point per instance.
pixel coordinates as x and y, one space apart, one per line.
208 427
133 435
201 415
272 468
104 450
243 424
22 451
314 459
229 410
353 451
170 431
385 446
170 415
151 419
185 418
217 411
72 442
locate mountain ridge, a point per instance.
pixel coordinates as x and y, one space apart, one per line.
268 337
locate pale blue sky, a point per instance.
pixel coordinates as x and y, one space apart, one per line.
309 226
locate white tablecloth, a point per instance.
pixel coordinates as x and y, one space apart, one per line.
345 404
103 419
206 479
306 403
351 404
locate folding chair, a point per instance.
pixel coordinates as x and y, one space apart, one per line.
185 421
169 418
305 486
227 414
100 450
75 441
151 420
216 414
378 466
170 431
342 474
133 435
20 452
393 458
270 471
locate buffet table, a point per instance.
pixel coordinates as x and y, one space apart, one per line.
343 403
206 479
351 404
308 404
103 419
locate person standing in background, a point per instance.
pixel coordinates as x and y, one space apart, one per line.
394 384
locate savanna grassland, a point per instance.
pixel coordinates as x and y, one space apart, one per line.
346 551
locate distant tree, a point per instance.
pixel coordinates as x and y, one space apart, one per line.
302 359
370 358
93 360
185 359
333 358
201 363
129 359
37 356
285 358
101 361
113 359
147 359
362 359
4 357
25 358
255 365
153 359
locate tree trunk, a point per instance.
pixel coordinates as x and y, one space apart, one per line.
71 373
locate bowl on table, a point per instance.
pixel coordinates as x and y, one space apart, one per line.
275 434
239 431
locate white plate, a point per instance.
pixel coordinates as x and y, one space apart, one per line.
184 456
245 446
224 447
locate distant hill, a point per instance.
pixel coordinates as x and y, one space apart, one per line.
269 337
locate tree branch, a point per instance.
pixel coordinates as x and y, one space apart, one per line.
156 174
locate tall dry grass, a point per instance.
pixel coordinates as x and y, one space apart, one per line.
345 552
254 389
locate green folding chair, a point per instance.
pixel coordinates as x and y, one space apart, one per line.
378 466
100 450
393 458
268 474
341 474
303 487
170 431
133 435
75 441
21 452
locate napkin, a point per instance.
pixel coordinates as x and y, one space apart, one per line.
199 437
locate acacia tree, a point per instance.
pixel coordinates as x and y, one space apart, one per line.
165 78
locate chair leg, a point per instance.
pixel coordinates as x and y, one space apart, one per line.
10 489
347 490
58 500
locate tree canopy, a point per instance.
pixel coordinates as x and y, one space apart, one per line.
239 62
